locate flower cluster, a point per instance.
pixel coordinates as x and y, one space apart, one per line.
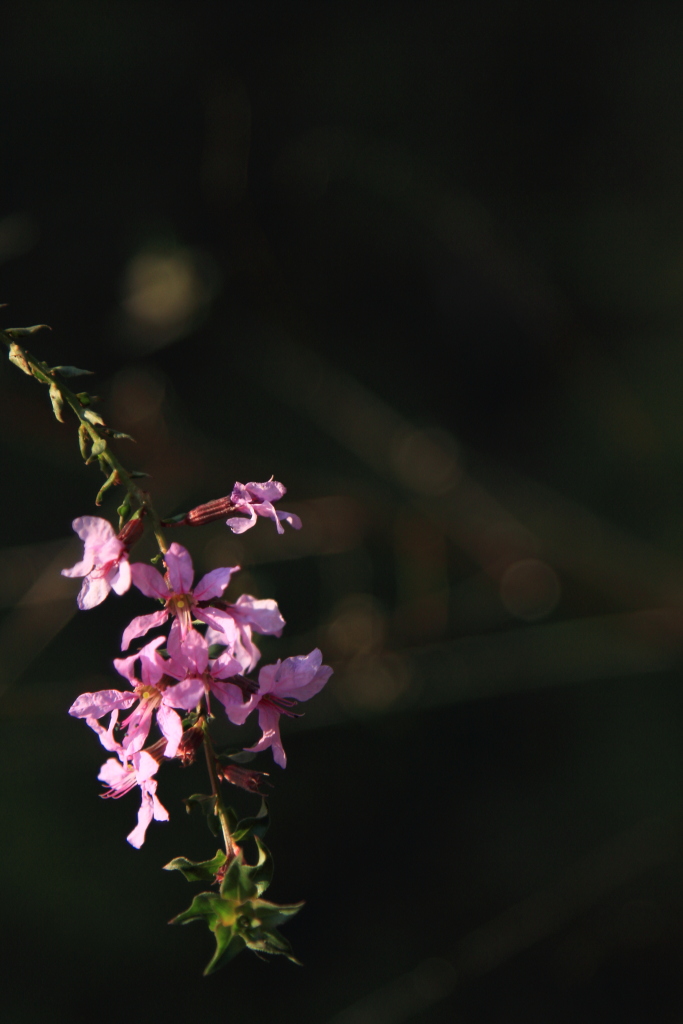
203 659
178 679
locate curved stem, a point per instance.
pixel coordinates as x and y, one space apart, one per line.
106 457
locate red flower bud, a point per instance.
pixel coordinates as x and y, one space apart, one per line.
132 531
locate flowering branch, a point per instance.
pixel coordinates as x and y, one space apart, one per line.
203 661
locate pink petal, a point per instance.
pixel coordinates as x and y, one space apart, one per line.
120 577
190 651
141 625
180 569
269 722
267 510
116 775
271 490
231 698
94 531
219 620
95 705
172 728
186 695
238 524
149 580
93 592
80 568
291 518
225 666
139 724
264 615
213 584
152 664
106 735
145 766
145 815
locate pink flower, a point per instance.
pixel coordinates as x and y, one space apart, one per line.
175 590
200 676
249 613
257 500
280 687
122 777
152 694
105 563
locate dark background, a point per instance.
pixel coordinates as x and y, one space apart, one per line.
424 264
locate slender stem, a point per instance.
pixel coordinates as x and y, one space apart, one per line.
42 372
215 789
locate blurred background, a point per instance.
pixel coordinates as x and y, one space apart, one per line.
424 264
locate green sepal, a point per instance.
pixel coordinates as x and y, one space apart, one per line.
24 332
261 873
237 885
97 449
197 871
57 402
72 371
228 944
18 357
83 439
110 481
175 519
118 435
251 828
93 417
209 907
207 805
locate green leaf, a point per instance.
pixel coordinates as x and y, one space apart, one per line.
261 873
72 371
209 907
197 871
270 915
207 805
270 941
228 945
249 828
237 884
112 479
93 417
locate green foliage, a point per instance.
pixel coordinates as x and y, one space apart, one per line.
237 916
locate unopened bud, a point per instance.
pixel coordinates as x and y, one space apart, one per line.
190 743
133 530
245 778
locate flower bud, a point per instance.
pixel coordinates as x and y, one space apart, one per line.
133 530
245 778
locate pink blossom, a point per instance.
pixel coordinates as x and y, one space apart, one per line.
257 500
153 695
105 563
249 613
281 686
175 590
202 676
121 777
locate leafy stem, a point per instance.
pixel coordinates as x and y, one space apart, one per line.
91 426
